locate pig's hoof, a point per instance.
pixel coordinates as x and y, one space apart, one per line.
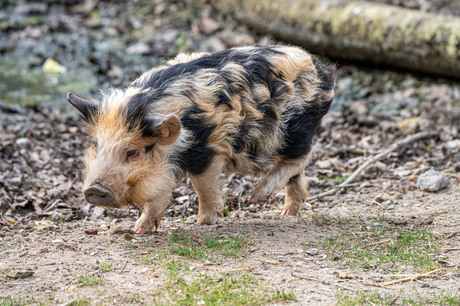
208 218
288 212
145 224
142 231
258 198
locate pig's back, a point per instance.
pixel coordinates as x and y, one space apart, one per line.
251 104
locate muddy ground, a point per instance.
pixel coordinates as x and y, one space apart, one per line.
341 249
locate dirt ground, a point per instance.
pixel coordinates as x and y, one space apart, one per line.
344 249
58 253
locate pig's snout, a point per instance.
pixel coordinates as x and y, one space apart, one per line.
98 195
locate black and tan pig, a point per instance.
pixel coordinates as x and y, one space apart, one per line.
248 110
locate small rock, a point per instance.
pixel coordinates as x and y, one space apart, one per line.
91 231
22 142
208 25
57 241
4 267
410 125
128 236
116 75
138 48
382 197
342 275
43 250
115 229
432 181
169 36
386 266
20 274
235 215
453 144
191 219
97 213
312 252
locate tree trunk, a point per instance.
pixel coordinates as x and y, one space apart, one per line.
358 31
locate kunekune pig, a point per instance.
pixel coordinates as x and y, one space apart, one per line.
249 110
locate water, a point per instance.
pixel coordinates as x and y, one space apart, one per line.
26 84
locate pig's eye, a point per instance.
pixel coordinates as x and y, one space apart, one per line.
131 154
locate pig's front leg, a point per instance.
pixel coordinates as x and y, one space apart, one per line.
210 197
152 213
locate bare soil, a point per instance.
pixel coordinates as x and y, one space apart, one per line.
58 253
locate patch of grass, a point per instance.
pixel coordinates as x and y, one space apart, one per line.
80 302
375 298
320 219
11 301
187 247
365 298
380 244
2 245
90 280
135 298
225 211
230 245
221 290
176 268
337 180
107 266
156 258
340 220
204 247
130 245
383 218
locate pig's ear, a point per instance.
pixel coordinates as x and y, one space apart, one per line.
84 106
163 130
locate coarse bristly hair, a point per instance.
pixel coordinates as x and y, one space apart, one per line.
248 110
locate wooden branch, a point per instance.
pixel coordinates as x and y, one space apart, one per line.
380 242
263 261
411 278
450 249
362 31
354 176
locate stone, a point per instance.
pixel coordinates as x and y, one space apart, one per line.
432 180
4 267
97 212
91 231
128 236
20 274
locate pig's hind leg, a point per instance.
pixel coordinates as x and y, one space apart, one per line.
296 194
285 172
208 185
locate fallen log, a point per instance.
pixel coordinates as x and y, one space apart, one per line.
358 31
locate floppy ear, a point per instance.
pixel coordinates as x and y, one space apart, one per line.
163 130
84 106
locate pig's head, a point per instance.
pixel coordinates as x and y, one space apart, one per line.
127 162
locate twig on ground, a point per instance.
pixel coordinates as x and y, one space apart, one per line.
307 278
450 249
370 161
225 271
411 278
263 261
124 264
159 266
380 242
